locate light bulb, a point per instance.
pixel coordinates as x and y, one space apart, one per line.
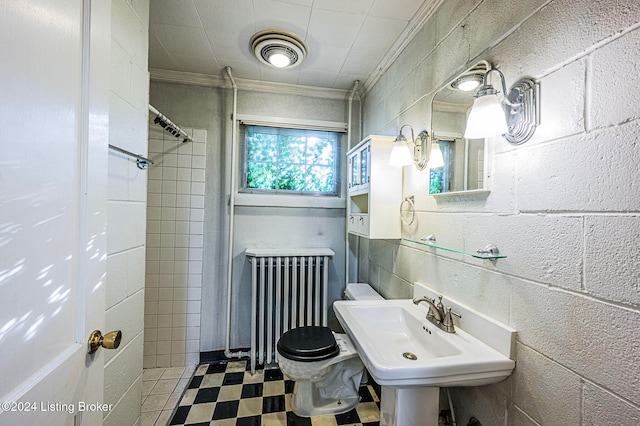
468 85
279 59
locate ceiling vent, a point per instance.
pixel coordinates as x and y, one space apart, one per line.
278 48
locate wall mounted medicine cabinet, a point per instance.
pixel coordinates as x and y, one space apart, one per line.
375 189
466 161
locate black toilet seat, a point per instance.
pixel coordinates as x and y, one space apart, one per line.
308 344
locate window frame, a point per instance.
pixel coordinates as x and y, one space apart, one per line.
338 161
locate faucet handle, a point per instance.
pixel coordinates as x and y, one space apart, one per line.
447 322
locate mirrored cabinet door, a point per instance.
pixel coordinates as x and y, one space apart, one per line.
464 165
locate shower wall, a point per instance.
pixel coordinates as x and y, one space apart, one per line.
175 221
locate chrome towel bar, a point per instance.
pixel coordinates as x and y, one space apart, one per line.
142 162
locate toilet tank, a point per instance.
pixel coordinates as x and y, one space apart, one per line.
361 291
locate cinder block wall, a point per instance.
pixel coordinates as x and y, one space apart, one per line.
564 207
127 198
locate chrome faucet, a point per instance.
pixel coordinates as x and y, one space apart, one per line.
437 314
434 312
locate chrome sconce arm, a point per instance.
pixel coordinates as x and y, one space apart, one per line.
401 154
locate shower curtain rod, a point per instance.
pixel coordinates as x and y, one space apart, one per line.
168 125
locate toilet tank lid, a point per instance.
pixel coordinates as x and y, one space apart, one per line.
361 291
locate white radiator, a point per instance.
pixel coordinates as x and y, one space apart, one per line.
289 289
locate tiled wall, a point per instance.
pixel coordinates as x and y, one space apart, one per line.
175 221
128 105
563 207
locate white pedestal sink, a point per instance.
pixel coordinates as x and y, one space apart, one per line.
411 358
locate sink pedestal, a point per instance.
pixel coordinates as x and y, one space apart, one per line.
414 406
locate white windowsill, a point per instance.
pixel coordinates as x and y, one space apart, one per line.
302 201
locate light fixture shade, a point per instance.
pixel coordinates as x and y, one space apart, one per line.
435 159
487 118
400 155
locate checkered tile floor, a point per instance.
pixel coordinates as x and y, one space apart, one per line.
227 394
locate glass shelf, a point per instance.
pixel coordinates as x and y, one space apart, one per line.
490 252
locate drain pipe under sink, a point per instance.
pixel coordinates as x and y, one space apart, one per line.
232 201
453 415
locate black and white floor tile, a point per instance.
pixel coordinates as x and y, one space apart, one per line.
226 394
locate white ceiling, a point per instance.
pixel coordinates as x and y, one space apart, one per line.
347 40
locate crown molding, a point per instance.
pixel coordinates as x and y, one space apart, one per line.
425 12
208 80
182 77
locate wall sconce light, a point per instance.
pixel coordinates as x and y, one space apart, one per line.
401 154
515 116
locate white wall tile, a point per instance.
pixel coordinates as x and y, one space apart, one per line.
171 256
129 219
182 227
183 213
180 294
197 215
197 201
169 187
194 280
178 333
193 293
125 275
193 333
165 293
122 391
197 188
197 175
128 317
164 334
196 228
139 87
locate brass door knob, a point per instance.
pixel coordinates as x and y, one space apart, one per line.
110 340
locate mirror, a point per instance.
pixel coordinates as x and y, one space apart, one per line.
463 166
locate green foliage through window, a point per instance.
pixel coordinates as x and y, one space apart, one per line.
304 161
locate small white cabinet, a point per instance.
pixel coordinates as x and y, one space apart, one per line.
375 190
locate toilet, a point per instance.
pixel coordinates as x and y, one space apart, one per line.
324 365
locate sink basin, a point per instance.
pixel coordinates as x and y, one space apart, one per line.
401 348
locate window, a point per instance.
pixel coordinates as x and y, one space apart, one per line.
441 178
291 161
